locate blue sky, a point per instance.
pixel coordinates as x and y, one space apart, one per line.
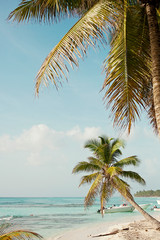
41 139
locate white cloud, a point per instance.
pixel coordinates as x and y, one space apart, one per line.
89 132
126 136
40 143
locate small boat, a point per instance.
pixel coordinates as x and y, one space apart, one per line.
144 206
158 201
121 208
156 209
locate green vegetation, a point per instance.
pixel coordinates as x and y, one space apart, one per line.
8 232
148 193
106 173
132 28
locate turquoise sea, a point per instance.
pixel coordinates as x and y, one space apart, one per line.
52 216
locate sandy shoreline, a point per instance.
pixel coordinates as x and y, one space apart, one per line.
139 229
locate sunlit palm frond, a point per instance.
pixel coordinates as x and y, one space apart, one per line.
45 10
158 15
133 176
132 160
128 68
90 29
113 171
93 191
8 231
116 144
122 187
88 178
85 167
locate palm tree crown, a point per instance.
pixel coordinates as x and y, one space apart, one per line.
106 170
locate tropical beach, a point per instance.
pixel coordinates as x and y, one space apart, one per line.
139 229
72 158
63 218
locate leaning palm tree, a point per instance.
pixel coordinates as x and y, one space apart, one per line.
9 232
132 68
106 173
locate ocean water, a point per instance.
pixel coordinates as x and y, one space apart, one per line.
52 216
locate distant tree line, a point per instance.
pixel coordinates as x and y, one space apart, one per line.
148 193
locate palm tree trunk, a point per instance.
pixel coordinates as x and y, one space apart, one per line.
148 217
128 196
154 35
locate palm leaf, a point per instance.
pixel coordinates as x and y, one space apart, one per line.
8 231
122 187
45 10
85 166
115 149
132 160
96 162
150 109
92 145
93 191
106 192
88 178
133 176
113 171
99 20
128 68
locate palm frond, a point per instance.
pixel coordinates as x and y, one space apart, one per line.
96 162
113 171
128 68
102 148
44 10
132 160
93 191
8 231
149 106
85 166
116 144
90 29
92 145
88 178
122 187
115 149
105 140
133 176
106 192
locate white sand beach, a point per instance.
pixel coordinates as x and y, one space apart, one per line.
139 229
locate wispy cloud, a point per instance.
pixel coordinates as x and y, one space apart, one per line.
41 143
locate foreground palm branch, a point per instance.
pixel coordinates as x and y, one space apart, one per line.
130 85
106 174
8 232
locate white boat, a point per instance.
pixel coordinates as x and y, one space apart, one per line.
121 208
158 201
144 206
156 209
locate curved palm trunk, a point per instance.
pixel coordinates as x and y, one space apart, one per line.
148 217
128 196
154 35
